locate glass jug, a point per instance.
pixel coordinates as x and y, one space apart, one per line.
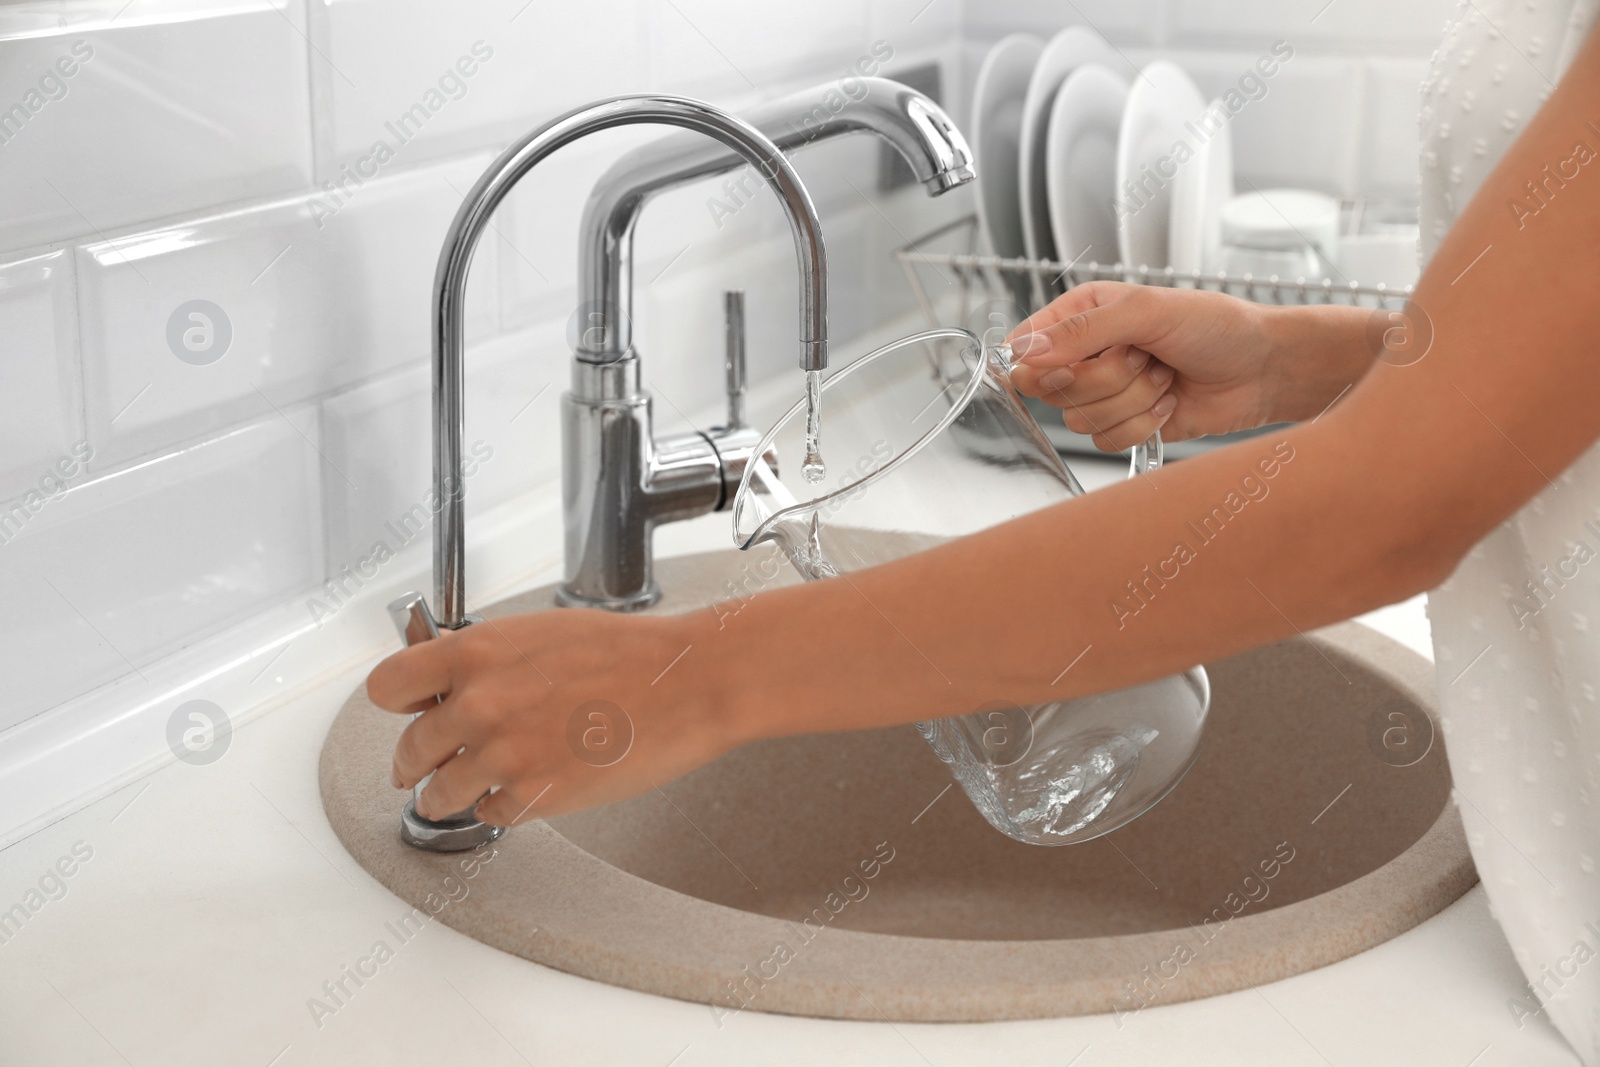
925 441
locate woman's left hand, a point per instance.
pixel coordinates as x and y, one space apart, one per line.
558 710
1123 361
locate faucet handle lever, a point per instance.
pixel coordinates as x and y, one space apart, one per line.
733 358
415 623
412 619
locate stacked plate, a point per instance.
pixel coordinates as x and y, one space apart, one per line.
1083 160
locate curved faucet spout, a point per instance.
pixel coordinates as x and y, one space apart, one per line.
917 128
746 142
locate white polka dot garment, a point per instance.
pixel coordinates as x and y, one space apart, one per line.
1516 629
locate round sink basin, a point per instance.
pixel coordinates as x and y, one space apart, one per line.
842 875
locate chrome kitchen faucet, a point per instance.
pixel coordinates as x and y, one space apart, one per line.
618 481
617 485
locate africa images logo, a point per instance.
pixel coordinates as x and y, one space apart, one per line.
199 332
199 732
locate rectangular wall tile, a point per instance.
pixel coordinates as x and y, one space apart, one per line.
126 568
379 435
40 421
1354 27
539 251
425 78
110 117
701 45
907 24
1300 127
300 297
1122 22
1304 131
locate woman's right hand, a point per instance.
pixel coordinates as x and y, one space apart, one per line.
1122 361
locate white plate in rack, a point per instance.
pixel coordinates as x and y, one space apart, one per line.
1066 52
997 101
1081 164
1162 101
1202 187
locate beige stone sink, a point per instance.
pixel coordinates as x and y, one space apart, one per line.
839 876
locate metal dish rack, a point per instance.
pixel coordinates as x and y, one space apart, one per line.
985 292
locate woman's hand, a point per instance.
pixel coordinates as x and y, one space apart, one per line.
560 710
1122 361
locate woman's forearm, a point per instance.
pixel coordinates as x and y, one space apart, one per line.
1372 502
1233 549
1318 353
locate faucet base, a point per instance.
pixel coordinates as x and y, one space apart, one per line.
448 836
567 598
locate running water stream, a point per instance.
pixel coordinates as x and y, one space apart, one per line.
814 469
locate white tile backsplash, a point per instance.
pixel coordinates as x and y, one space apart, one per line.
165 110
1301 129
114 573
909 23
709 45
678 326
39 390
312 298
538 256
1122 22
427 79
378 434
1304 132
1353 26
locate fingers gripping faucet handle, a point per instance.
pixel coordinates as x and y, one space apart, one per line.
458 832
733 360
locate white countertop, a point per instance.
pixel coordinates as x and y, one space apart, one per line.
216 901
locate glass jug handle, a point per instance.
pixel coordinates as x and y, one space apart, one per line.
1147 456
